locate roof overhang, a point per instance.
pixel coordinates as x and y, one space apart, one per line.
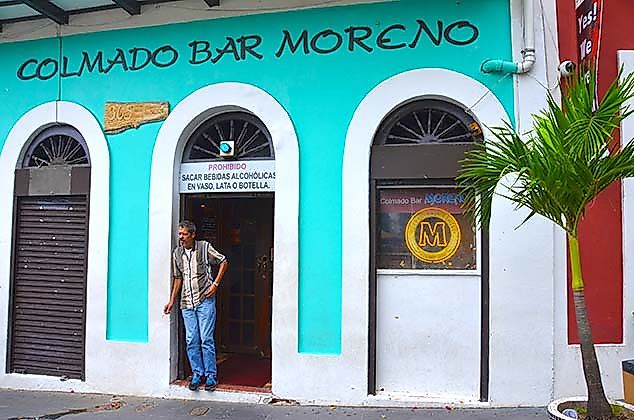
60 11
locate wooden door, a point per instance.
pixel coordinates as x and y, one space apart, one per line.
244 318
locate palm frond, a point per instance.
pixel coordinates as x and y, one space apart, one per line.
485 166
562 164
614 167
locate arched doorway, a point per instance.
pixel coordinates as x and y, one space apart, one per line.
47 311
227 184
427 274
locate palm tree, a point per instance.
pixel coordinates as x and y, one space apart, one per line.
566 160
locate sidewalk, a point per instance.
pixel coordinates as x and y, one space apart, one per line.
68 406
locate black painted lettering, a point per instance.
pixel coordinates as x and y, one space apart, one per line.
135 64
422 26
383 41
90 65
338 40
354 39
248 44
166 49
199 48
229 48
469 28
64 72
22 70
119 59
42 68
293 47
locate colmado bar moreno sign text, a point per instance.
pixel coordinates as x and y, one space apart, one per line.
229 176
366 39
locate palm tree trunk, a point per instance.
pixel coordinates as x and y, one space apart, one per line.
598 406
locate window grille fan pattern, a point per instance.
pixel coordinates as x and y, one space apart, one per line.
429 121
252 140
57 146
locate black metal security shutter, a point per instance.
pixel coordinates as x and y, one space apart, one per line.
49 286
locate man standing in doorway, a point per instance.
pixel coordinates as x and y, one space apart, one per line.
193 278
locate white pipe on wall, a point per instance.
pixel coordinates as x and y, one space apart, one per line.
528 52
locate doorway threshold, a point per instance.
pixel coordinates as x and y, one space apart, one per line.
178 389
244 388
230 387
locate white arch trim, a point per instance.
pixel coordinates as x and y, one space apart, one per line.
484 105
164 211
97 276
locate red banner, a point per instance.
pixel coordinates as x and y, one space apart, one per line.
589 16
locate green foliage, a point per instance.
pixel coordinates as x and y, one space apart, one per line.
617 409
563 163
582 409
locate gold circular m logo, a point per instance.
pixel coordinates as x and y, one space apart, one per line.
432 235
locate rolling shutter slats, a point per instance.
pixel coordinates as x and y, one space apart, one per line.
49 286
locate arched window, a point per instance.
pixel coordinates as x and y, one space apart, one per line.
227 177
418 212
57 146
428 121
250 137
421 235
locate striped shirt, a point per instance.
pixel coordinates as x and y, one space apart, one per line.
194 268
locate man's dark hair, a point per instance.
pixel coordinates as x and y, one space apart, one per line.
187 224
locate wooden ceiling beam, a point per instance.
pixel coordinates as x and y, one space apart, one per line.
48 9
133 7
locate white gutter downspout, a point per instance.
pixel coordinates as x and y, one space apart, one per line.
528 53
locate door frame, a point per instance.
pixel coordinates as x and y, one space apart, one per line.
182 355
422 165
434 83
165 206
99 351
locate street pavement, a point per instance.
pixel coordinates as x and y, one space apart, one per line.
30 405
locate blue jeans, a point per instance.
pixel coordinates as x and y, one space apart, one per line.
199 335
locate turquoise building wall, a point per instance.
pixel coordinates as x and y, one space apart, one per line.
320 91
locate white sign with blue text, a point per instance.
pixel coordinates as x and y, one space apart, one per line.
227 176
